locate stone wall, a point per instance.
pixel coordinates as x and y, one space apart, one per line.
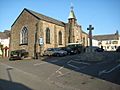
27 20
54 39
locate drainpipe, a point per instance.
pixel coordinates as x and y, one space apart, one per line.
35 44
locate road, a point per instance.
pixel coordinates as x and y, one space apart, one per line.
60 73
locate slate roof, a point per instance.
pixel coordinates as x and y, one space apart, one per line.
106 37
5 34
84 32
42 17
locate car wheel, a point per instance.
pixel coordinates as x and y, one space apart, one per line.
68 53
57 54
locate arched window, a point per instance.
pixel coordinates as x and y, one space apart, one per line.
24 36
60 38
47 36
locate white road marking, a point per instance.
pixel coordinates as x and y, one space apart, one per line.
60 69
63 74
54 61
40 63
74 66
80 62
76 59
60 72
69 61
57 71
83 67
77 62
108 71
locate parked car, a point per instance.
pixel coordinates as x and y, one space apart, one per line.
94 49
59 52
49 52
118 49
18 54
99 49
76 47
69 50
55 52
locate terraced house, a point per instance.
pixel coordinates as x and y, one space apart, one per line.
109 42
35 32
4 43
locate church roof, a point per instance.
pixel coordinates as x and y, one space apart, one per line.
106 37
42 17
84 32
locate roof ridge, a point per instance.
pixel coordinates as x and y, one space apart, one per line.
104 35
42 15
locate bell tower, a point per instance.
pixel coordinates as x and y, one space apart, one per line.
71 22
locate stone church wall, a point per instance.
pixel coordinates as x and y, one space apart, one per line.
54 30
29 21
85 39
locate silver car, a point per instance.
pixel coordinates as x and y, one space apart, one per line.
49 52
59 52
55 52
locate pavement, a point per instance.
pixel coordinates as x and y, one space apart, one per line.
75 72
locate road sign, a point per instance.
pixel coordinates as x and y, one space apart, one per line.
41 42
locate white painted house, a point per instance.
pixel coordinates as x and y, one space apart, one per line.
109 41
4 43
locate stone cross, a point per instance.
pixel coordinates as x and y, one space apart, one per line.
90 36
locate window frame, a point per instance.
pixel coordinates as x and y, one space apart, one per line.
24 36
60 38
47 35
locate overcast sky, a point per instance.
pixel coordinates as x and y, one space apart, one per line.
104 15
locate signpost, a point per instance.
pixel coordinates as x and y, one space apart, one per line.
41 42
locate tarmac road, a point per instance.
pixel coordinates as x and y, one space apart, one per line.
60 73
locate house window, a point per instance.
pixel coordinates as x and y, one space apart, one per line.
104 47
24 36
47 36
106 42
60 38
114 42
109 42
112 47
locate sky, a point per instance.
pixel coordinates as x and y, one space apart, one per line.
103 15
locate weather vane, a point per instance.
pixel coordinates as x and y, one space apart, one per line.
72 6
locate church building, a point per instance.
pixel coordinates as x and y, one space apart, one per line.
35 32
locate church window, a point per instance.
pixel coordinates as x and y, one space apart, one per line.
47 36
60 38
24 36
